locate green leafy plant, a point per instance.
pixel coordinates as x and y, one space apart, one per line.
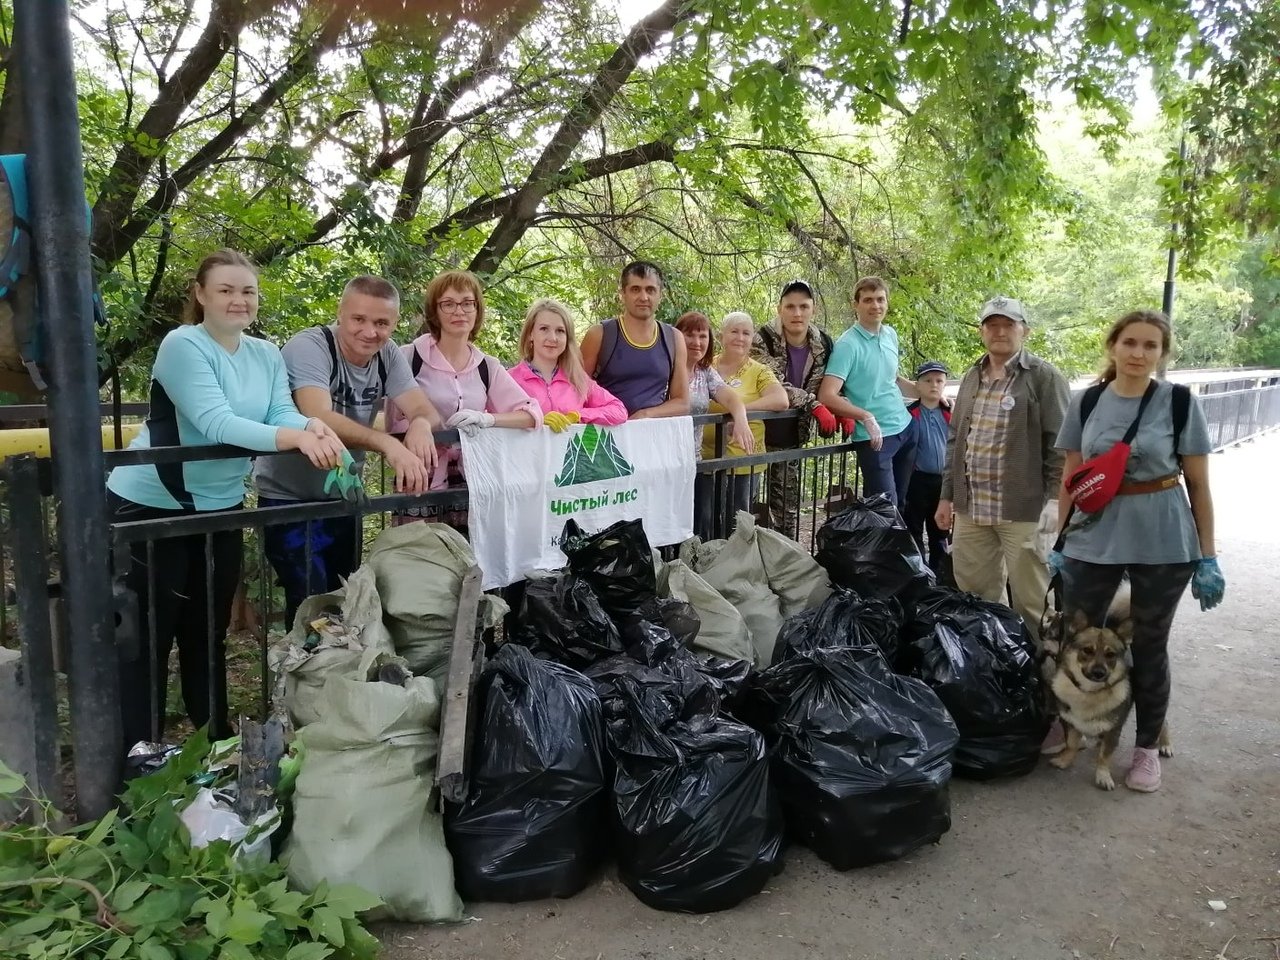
130 887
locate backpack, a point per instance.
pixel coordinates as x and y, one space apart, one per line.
21 335
1180 402
23 353
333 356
415 364
609 342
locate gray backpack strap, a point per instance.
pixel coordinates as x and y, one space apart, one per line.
608 344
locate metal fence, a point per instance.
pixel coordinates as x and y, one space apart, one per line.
825 479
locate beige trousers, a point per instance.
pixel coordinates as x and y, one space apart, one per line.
985 557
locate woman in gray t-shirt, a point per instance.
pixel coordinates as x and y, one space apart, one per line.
1156 531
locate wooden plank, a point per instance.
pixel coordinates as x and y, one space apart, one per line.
457 716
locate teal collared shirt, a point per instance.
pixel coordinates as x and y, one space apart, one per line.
868 365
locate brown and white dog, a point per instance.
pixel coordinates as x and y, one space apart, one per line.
1086 673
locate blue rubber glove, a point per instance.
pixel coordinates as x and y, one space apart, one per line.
1207 583
1056 561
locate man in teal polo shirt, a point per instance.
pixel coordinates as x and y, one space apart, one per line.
863 387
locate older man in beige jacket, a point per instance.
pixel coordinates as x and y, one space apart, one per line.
1002 473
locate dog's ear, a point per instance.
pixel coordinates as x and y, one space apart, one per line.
1124 630
1078 621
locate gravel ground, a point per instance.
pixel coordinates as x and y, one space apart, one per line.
1046 867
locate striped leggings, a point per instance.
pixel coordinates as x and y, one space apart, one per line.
1156 589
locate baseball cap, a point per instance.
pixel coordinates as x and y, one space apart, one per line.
1003 307
931 366
797 286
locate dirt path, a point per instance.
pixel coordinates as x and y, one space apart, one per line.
1042 868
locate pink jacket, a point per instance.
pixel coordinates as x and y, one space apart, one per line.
451 390
559 396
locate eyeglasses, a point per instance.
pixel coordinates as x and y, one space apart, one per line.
455 306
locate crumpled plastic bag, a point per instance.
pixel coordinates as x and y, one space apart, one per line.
697 821
976 656
617 561
562 619
844 619
537 798
868 548
659 628
210 816
862 757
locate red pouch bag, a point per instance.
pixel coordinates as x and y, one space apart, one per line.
1095 482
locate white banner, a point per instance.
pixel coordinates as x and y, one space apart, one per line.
524 484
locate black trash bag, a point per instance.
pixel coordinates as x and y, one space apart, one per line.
844 619
537 800
976 656
861 756
869 549
674 688
698 823
561 619
730 678
616 561
659 628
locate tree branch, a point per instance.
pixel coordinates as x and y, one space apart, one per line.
142 145
542 179
162 200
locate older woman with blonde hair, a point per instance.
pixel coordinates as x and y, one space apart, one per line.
757 387
553 375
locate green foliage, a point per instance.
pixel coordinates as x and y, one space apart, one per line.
129 887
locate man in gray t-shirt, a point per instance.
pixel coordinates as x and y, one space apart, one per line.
341 374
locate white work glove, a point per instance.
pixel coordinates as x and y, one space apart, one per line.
470 422
1046 531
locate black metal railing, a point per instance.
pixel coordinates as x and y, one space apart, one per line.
825 479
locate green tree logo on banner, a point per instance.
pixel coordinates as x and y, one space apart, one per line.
592 455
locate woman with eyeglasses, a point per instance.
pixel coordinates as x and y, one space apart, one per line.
471 389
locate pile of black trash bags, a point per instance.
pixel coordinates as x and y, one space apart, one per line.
600 734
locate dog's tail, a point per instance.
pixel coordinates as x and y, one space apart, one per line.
1121 605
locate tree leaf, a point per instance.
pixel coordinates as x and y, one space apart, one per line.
347 900
153 949
327 924
11 781
156 907
234 951
308 951
128 894
246 923
119 947
28 927
101 829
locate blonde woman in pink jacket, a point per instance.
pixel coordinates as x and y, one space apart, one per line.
470 389
553 375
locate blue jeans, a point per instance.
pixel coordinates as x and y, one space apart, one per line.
888 470
335 553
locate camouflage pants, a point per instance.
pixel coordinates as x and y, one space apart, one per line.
1157 588
782 506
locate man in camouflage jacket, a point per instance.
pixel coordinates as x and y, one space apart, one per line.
796 351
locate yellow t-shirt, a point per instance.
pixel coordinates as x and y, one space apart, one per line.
751 380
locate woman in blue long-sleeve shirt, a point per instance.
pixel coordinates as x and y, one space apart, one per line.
210 384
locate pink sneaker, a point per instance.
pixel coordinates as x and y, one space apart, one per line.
1055 741
1144 774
